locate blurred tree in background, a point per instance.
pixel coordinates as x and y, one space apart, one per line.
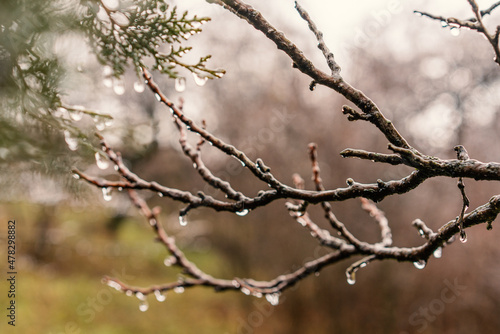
440 93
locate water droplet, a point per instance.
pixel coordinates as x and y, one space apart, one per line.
158 97
77 113
463 236
140 296
420 264
243 212
108 121
444 24
100 161
114 285
129 293
172 111
159 296
219 74
160 194
107 82
144 306
235 283
76 176
273 298
179 289
200 81
139 86
301 221
195 166
106 194
455 31
246 291
182 220
100 125
180 84
421 232
438 252
351 277
120 188
316 273
118 87
257 294
169 261
70 141
115 167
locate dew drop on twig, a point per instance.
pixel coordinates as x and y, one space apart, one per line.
246 291
143 306
420 264
351 277
182 220
70 141
77 113
169 261
200 81
438 253
273 298
157 97
180 84
119 88
243 212
159 296
179 289
463 236
106 194
100 161
76 176
139 86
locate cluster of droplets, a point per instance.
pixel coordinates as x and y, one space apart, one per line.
273 298
143 306
101 122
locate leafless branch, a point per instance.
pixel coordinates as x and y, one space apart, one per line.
344 244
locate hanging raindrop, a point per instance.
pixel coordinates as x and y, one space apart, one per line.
169 261
129 293
438 252
243 212
77 113
143 306
273 298
179 289
139 86
160 194
182 220
70 141
159 296
454 31
100 161
245 291
420 264
107 82
76 176
200 81
114 285
463 236
158 97
351 277
108 121
180 84
119 88
106 194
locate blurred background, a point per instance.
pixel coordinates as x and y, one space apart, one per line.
438 85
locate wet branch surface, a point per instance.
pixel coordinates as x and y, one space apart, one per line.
341 243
